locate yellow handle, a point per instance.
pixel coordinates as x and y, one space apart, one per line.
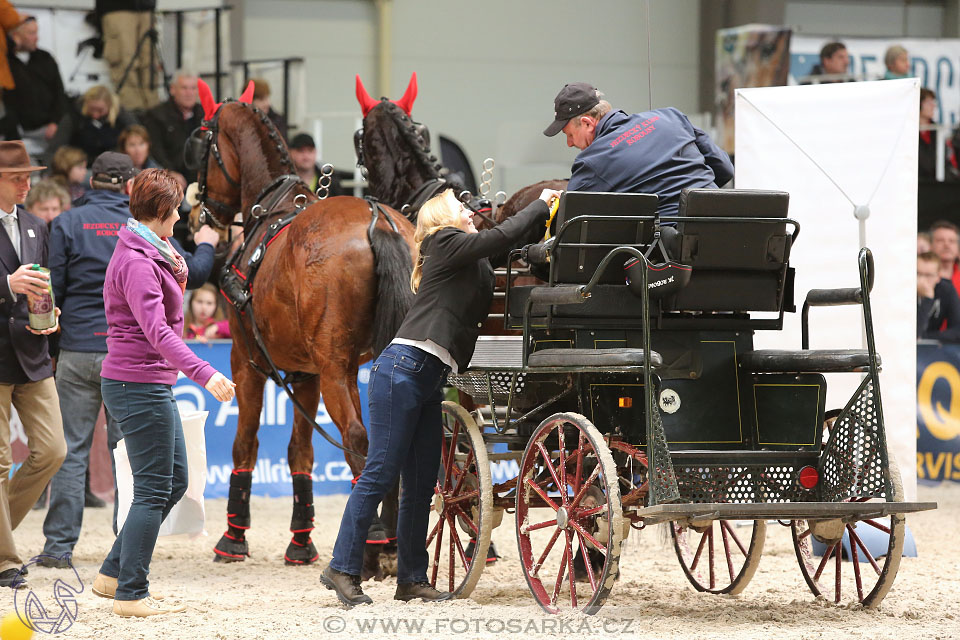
553 214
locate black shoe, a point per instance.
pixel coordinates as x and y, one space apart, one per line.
345 585
492 555
12 578
420 591
55 562
91 500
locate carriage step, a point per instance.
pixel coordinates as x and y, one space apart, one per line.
591 358
778 510
807 361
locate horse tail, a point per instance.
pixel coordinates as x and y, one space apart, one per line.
392 266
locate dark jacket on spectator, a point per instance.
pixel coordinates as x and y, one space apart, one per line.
93 136
39 97
106 6
932 313
82 241
168 135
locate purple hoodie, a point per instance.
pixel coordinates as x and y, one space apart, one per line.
144 306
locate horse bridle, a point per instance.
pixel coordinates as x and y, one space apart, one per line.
201 143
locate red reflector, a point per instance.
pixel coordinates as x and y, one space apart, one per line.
809 477
625 403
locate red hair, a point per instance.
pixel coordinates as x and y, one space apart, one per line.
155 194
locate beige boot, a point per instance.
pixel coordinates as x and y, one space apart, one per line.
106 587
143 608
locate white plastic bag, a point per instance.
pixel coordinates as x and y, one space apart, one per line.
187 516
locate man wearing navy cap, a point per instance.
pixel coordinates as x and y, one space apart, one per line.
656 151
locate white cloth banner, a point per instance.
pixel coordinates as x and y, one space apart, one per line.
936 62
833 148
187 516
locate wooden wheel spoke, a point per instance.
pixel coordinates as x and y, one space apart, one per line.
713 578
839 563
696 556
577 478
462 497
436 556
724 525
726 551
553 472
877 525
856 540
586 560
455 537
464 472
855 565
539 525
586 485
570 573
467 519
563 567
433 532
562 464
581 531
535 569
826 557
586 513
451 454
543 494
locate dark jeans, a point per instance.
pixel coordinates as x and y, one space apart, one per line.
405 391
148 418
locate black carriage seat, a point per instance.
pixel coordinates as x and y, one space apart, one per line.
505 353
737 267
807 361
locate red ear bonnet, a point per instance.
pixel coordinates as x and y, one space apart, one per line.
366 102
206 99
406 102
247 96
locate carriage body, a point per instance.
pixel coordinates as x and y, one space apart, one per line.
681 419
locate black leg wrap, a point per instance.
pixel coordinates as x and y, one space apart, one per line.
232 547
301 550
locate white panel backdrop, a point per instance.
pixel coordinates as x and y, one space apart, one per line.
834 147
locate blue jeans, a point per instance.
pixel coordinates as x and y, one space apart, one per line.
405 391
153 436
78 385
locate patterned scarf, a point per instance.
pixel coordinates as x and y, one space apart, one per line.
166 250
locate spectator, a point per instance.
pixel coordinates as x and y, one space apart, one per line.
171 123
38 102
26 372
135 142
47 200
9 19
945 242
69 170
924 242
143 296
96 128
834 60
938 306
261 100
657 151
303 152
123 24
927 163
898 63
204 319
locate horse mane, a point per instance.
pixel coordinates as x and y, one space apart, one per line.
397 158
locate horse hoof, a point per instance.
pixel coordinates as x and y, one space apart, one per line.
388 560
299 555
230 550
371 564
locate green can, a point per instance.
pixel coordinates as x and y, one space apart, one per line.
40 308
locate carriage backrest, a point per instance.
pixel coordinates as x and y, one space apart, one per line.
737 265
576 265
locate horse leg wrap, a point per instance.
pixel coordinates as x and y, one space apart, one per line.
232 546
301 550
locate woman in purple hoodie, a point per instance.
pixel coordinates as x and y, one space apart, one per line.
143 297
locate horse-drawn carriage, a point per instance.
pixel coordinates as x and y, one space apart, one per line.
625 405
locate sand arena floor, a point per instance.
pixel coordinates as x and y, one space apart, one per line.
261 598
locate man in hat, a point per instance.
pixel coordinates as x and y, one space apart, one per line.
656 151
82 241
303 152
26 373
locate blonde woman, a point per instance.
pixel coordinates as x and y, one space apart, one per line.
96 127
453 282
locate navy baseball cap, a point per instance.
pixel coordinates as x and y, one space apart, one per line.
574 99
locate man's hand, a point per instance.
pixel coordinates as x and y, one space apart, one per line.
206 234
29 282
547 195
50 131
53 329
220 387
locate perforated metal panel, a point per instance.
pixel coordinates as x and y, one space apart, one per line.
854 463
741 483
474 383
663 479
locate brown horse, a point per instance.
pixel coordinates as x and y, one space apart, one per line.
327 296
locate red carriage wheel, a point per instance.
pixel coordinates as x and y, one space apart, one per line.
569 515
462 505
715 557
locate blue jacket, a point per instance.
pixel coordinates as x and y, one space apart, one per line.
657 151
82 241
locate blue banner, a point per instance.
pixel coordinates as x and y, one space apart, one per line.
938 411
271 475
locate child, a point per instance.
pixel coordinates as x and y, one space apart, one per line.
204 320
70 171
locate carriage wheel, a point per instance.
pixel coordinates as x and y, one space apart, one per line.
567 469
714 557
463 503
861 575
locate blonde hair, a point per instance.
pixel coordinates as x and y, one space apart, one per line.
892 54
436 213
100 93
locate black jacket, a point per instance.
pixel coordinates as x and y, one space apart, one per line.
944 306
24 357
39 98
168 135
106 6
93 136
456 286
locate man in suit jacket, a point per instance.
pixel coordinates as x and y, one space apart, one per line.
26 373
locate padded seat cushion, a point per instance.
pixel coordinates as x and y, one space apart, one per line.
806 361
591 358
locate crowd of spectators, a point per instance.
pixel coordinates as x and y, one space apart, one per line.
938 280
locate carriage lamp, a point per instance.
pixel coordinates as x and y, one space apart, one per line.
624 403
808 477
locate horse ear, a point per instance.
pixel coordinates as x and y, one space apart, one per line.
366 102
406 102
206 99
247 96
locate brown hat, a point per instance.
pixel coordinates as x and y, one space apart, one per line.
14 157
